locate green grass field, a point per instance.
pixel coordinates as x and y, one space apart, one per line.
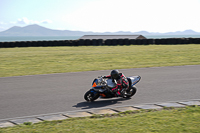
47 60
180 120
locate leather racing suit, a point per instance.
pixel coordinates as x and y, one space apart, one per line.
121 84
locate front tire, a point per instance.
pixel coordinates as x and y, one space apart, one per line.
90 97
130 92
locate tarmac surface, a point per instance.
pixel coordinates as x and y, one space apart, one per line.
44 94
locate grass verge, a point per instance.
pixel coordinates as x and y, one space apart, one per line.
167 120
47 60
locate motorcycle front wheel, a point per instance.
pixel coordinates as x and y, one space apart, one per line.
90 97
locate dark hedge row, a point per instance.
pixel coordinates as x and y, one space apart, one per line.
100 42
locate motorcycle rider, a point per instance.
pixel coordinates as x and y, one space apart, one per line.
121 82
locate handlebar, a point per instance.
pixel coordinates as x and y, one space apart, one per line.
102 80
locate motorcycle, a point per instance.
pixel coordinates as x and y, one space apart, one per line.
102 87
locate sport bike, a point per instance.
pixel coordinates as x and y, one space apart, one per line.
102 88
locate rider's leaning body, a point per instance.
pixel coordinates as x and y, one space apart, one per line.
120 80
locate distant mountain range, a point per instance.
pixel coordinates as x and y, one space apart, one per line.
36 30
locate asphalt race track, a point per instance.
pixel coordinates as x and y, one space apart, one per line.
43 94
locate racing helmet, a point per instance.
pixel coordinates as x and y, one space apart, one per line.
114 74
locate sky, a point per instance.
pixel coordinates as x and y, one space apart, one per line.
102 15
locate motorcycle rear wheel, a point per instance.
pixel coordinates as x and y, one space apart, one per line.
90 97
130 92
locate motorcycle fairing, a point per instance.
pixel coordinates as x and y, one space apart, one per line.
134 79
98 88
110 83
94 83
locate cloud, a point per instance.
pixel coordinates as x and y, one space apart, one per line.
26 21
2 23
47 21
3 26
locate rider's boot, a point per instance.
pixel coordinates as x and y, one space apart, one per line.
122 92
119 94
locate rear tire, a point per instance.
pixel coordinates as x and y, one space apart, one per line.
130 92
90 97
